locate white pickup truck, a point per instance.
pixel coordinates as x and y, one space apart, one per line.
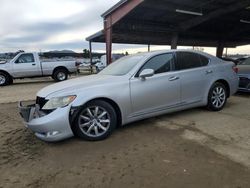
29 65
100 65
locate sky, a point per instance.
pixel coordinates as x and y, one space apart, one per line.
43 25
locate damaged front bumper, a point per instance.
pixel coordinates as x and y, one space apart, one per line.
51 127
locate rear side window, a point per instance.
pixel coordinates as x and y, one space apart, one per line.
159 63
188 60
204 60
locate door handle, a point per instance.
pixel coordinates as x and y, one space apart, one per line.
173 78
33 64
209 72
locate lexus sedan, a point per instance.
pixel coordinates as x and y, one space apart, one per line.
244 75
132 88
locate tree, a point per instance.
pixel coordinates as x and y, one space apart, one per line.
86 53
126 53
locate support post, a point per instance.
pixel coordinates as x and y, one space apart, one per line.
111 18
108 38
174 41
148 47
219 50
90 56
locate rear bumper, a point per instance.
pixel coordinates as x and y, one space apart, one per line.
244 84
244 90
233 84
51 127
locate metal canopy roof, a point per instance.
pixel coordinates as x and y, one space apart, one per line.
156 21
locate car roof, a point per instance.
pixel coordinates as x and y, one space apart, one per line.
158 52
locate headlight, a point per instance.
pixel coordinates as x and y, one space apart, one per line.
58 102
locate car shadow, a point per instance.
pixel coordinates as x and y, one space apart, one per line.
140 124
164 117
24 82
243 94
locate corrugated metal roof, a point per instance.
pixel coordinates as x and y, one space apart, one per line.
109 11
97 34
155 22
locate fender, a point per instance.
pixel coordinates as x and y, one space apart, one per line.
4 71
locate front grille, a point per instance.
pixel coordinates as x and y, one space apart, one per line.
41 101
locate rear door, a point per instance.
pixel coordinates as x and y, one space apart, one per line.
158 92
195 76
26 66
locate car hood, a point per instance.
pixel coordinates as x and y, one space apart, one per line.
3 62
244 69
67 87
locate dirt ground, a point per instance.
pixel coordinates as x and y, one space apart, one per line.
25 89
193 148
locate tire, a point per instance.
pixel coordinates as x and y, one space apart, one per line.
60 75
5 79
97 69
217 97
11 81
95 121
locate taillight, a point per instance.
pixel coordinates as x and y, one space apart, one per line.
235 69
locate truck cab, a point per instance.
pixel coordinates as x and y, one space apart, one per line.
26 65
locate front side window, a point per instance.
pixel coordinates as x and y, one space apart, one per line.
188 60
159 63
26 58
122 66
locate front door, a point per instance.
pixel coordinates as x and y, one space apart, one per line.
156 93
26 66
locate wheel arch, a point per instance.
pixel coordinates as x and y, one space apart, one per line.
5 72
59 68
226 84
109 101
114 105
8 74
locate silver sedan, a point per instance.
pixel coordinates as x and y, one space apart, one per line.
133 88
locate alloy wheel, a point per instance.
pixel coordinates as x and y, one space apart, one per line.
61 76
94 121
218 97
2 79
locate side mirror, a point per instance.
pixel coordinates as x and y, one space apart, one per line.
146 73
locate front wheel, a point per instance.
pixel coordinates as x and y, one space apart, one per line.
95 121
5 79
217 97
60 75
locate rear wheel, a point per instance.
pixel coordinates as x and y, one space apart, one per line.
217 97
95 121
60 75
5 79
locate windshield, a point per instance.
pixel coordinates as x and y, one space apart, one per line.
122 66
246 62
